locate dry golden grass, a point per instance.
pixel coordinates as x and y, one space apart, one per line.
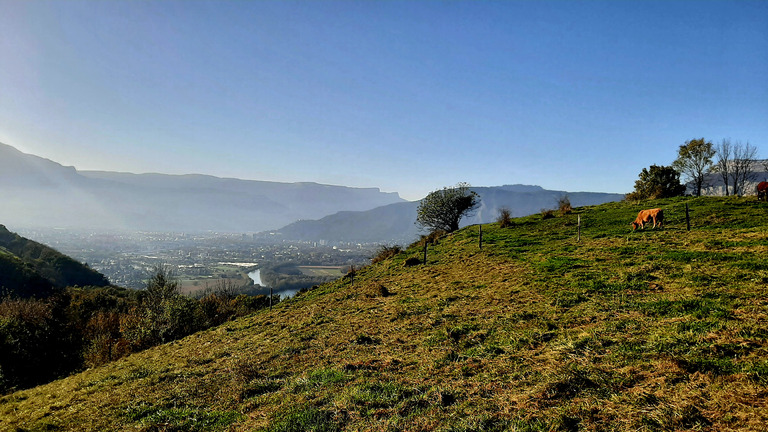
652 331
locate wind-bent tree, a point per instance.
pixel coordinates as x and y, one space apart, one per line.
657 182
694 160
442 210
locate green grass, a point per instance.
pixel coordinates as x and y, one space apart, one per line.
151 417
652 330
302 419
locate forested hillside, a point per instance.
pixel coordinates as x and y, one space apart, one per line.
17 277
28 268
550 326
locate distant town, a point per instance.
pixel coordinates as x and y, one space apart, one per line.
198 260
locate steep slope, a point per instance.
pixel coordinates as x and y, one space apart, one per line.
28 268
396 223
37 192
656 330
18 278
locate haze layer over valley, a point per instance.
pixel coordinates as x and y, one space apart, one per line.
40 193
37 192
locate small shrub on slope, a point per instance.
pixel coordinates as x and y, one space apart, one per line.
504 219
385 252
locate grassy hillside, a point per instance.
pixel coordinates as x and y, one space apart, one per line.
648 331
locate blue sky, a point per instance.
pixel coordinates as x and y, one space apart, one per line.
407 96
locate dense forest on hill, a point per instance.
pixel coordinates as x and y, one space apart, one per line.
33 269
23 279
563 323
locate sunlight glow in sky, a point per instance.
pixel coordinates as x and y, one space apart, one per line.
407 96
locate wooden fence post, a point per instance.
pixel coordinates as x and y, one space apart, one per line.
481 236
578 225
425 252
270 298
687 217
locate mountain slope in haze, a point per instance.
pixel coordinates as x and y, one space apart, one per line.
28 268
659 330
397 222
37 192
19 169
385 224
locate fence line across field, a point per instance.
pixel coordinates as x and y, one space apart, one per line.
578 231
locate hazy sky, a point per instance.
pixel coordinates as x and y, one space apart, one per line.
408 96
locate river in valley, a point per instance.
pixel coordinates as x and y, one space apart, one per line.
256 277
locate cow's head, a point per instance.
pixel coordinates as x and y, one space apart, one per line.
634 225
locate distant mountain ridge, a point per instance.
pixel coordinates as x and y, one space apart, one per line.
39 192
396 223
29 268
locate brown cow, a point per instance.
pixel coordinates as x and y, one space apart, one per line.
762 191
646 216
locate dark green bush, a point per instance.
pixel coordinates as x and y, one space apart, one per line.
35 344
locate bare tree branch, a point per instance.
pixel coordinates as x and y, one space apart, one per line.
742 171
724 152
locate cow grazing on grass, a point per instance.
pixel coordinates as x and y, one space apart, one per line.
646 216
762 191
